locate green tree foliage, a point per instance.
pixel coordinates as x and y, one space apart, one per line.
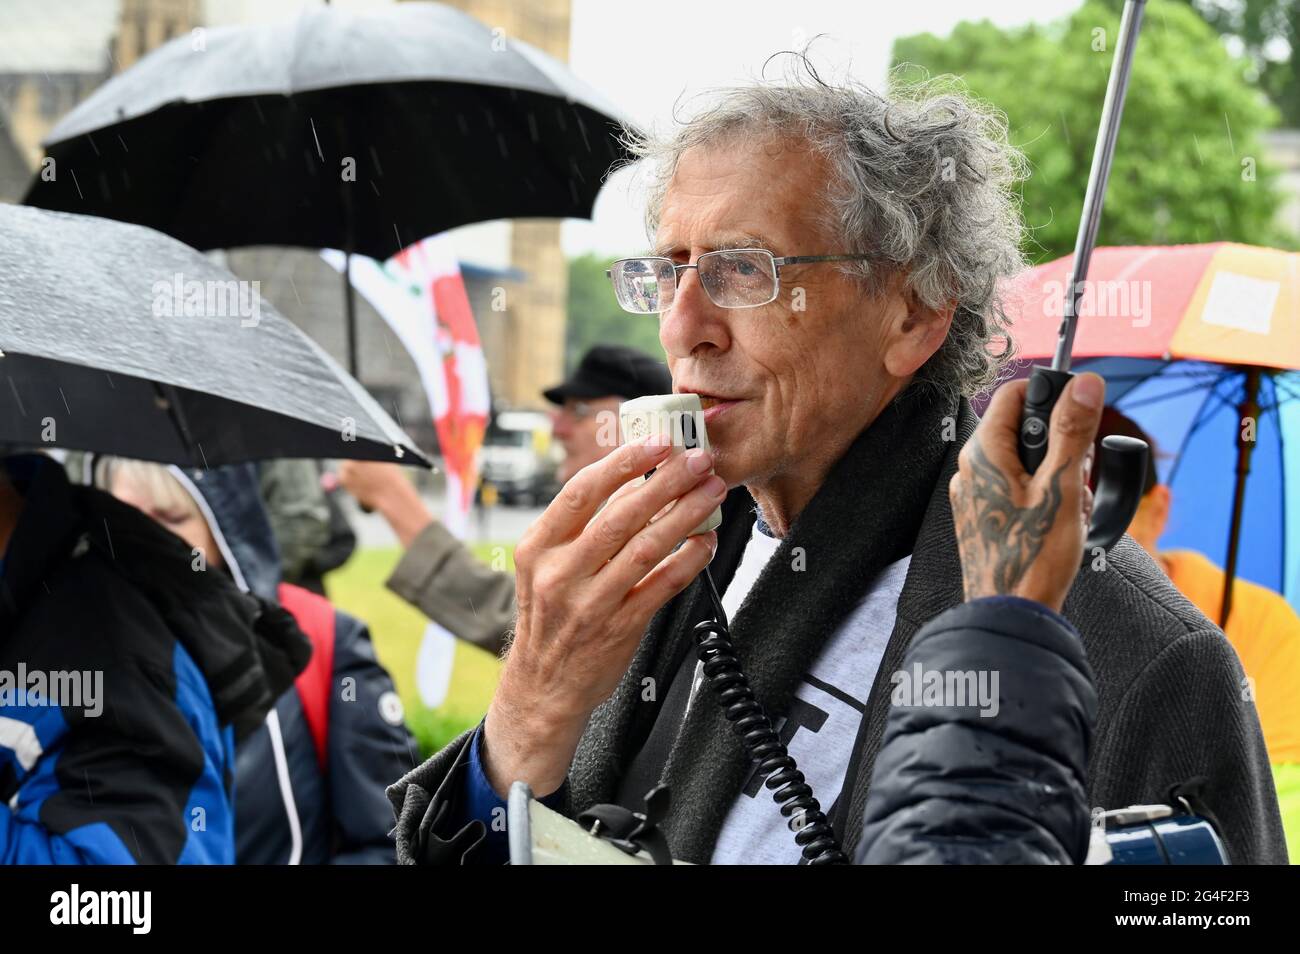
594 316
1266 32
1188 166
1269 31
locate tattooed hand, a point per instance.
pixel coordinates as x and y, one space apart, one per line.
1022 535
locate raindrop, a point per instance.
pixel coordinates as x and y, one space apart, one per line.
501 144
582 128
532 126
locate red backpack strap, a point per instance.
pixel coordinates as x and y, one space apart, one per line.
315 616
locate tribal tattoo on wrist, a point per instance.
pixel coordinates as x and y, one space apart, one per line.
999 539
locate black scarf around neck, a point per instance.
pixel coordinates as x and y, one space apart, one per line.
865 516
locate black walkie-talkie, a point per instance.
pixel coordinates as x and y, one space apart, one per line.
1123 462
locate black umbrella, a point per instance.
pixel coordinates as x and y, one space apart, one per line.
363 132
121 340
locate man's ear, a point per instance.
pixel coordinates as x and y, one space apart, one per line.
917 334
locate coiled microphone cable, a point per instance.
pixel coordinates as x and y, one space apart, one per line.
790 790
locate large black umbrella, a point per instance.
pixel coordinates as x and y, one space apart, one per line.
363 132
118 339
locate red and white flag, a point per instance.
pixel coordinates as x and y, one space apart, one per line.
421 295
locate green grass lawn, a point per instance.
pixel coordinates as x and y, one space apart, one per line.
397 627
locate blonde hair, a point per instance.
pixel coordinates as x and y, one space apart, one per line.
154 481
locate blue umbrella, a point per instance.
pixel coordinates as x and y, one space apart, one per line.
1194 412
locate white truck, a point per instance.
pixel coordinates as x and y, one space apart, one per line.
518 460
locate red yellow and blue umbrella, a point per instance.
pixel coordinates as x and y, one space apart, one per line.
1200 345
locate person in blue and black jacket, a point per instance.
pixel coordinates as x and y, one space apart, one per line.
309 783
125 679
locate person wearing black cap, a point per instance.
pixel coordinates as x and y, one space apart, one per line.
587 403
438 574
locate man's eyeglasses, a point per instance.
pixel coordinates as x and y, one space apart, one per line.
732 278
578 410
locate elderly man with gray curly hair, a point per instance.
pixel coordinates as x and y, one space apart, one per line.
826 264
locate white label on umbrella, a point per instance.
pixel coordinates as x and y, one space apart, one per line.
1242 302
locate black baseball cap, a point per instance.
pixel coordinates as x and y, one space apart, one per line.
613 371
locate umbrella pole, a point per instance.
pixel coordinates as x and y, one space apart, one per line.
350 310
1249 408
1112 110
349 231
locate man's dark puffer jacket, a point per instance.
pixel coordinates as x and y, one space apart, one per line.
952 786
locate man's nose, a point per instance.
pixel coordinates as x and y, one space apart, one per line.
693 321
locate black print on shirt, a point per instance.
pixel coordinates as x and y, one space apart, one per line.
803 715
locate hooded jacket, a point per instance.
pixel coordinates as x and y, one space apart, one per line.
131 759
289 809
958 784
